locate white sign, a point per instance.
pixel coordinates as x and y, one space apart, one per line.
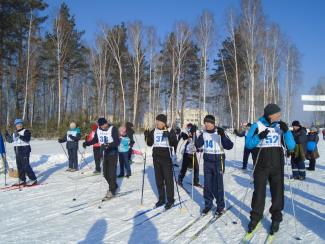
314 108
313 98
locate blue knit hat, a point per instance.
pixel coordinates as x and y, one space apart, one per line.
18 121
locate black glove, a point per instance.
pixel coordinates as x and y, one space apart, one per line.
146 133
262 135
60 140
193 129
166 133
84 145
220 131
184 136
283 126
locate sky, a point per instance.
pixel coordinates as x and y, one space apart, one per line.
303 21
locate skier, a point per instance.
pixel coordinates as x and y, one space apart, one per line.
72 138
96 149
299 155
214 141
123 153
20 139
130 134
247 151
312 151
189 153
265 139
163 140
107 136
323 131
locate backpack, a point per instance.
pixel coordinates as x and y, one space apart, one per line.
311 146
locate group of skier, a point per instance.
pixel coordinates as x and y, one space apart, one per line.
269 140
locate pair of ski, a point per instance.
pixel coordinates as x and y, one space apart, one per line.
81 206
250 235
16 187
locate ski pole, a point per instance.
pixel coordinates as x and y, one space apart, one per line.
251 181
144 169
291 192
193 163
64 151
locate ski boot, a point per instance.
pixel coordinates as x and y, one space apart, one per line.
252 225
169 205
205 211
274 227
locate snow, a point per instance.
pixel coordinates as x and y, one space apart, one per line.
47 213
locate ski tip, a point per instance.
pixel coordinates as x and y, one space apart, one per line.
298 238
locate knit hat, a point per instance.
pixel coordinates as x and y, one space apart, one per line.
313 128
162 118
210 119
101 121
296 123
271 109
18 121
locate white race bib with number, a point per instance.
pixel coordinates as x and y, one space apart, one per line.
159 139
273 138
17 141
72 133
105 136
212 143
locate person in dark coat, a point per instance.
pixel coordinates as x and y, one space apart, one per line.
164 141
214 141
72 138
21 141
312 150
130 134
267 138
96 149
299 155
247 151
108 137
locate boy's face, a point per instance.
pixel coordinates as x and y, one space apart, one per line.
19 126
160 125
209 126
104 126
295 128
275 117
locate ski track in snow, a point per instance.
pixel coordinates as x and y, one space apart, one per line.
47 213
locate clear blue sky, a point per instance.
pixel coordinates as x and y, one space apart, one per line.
302 20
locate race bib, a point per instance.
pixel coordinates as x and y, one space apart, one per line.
159 139
17 141
273 138
72 133
105 137
212 142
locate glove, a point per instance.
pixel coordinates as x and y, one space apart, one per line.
146 133
60 140
166 133
262 135
220 131
193 129
84 145
184 136
283 126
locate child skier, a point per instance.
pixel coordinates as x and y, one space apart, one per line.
312 151
163 139
299 155
107 136
72 138
189 155
123 153
247 151
20 139
265 138
214 140
96 149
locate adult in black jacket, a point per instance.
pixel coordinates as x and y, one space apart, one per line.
164 141
130 134
21 138
107 136
247 151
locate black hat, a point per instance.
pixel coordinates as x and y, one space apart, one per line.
296 123
101 121
271 109
162 118
210 119
129 125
